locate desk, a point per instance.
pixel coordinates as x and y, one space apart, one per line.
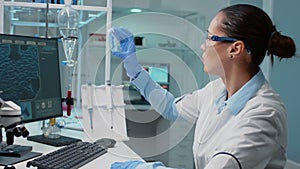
121 152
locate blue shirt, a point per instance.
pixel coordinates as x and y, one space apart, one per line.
238 100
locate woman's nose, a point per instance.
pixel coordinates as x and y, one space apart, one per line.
203 47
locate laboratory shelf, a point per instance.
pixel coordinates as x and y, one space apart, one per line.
21 13
18 17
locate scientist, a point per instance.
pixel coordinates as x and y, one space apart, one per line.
241 122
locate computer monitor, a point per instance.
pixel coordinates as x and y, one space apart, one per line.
30 75
159 72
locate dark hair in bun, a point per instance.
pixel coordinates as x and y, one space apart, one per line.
281 45
255 28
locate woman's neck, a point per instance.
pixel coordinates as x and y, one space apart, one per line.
236 79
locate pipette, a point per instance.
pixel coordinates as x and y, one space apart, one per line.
90 103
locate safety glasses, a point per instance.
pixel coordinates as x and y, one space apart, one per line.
215 38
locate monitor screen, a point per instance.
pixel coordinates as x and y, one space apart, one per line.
159 72
30 75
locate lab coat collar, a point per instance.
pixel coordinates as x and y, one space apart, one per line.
242 96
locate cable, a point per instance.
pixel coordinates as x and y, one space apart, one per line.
226 153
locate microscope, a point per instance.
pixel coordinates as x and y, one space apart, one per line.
10 119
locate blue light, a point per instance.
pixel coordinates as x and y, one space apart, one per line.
135 10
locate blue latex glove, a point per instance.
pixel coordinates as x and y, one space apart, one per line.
127 50
153 165
126 165
138 165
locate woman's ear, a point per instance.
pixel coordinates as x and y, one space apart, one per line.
237 48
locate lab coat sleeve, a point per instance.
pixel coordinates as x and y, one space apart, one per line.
254 140
186 107
160 99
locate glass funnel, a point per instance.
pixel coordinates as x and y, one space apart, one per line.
68 20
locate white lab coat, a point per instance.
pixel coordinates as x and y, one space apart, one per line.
255 138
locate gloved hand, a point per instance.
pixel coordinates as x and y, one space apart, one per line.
153 165
127 50
137 165
126 165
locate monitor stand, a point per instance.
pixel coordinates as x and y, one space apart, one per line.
51 135
57 142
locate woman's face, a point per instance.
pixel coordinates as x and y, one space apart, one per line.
215 54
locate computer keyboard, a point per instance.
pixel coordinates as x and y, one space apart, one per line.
72 156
